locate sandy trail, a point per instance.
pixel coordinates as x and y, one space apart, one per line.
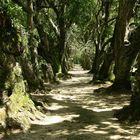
76 112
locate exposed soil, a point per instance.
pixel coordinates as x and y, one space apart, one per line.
75 112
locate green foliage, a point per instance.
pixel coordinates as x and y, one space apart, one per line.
80 12
14 11
82 53
86 58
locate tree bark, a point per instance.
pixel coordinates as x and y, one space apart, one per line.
105 68
62 39
123 58
132 112
100 36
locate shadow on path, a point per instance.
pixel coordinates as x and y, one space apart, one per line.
75 112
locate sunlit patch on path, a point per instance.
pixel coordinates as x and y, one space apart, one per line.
76 112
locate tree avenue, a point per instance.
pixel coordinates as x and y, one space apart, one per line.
41 40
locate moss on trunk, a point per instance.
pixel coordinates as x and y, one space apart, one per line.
19 108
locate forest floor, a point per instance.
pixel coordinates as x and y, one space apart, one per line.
76 112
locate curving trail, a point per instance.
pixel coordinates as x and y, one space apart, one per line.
76 112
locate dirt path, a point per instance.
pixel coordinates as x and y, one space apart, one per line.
76 112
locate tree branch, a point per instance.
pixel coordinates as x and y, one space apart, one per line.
54 27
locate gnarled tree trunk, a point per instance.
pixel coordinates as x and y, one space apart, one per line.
104 72
123 55
132 112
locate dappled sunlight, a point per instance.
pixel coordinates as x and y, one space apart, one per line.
63 97
1 136
101 110
49 120
59 132
76 112
55 106
106 123
117 137
100 132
